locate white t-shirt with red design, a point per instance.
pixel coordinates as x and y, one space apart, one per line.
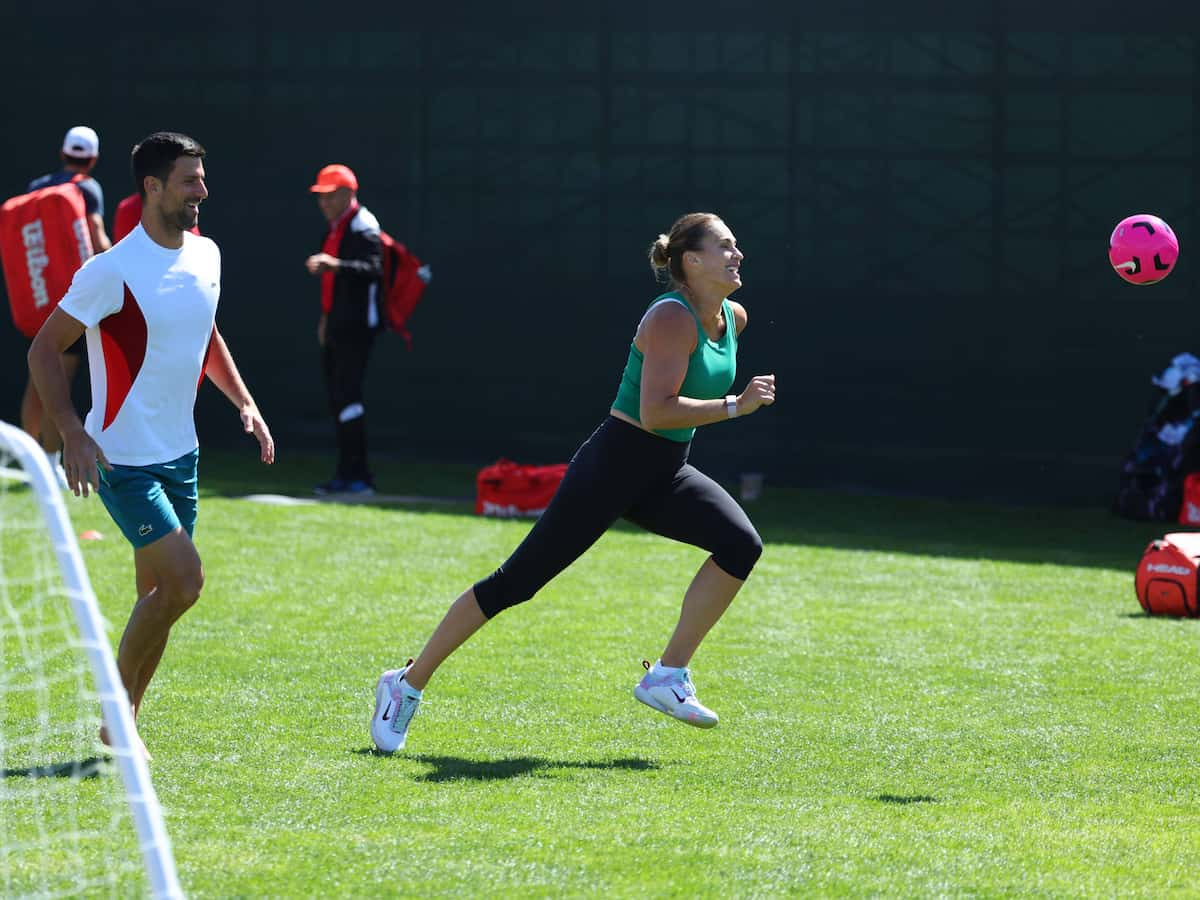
149 313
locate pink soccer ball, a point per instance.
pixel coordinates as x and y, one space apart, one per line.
1143 249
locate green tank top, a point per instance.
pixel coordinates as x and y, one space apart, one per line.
710 373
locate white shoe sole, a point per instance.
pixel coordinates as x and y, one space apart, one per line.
386 740
646 697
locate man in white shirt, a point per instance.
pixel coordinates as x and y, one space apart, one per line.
148 308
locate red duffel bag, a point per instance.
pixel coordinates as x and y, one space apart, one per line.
509 489
1166 576
44 238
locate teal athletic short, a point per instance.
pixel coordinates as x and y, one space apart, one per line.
148 502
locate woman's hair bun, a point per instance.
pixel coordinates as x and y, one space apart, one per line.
659 256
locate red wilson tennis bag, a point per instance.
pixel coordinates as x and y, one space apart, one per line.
508 489
1166 576
44 238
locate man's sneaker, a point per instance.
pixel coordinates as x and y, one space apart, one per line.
395 705
341 486
673 693
332 486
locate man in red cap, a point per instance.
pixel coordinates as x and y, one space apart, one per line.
350 268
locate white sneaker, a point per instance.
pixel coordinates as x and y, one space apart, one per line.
674 694
395 705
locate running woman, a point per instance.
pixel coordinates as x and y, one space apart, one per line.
681 364
148 307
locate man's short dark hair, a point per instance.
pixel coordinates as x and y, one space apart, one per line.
156 156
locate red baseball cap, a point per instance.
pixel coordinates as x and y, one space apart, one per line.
333 177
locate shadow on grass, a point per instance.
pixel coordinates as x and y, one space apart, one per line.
1056 535
79 769
905 799
456 768
228 473
1158 617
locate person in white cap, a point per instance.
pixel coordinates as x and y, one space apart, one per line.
80 148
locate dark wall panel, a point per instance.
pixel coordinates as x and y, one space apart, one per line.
924 199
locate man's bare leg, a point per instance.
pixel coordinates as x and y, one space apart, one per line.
169 579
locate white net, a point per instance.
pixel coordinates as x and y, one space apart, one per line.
76 818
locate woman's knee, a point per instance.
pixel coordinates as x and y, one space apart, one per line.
740 552
496 593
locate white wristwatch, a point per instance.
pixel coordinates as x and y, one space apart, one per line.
731 406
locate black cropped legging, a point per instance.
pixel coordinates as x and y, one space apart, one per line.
622 471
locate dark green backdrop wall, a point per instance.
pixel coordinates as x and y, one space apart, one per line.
924 194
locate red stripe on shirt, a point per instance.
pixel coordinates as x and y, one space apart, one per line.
207 356
123 339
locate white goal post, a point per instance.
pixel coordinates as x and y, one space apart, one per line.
29 485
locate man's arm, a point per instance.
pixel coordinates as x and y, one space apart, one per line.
224 374
93 201
100 241
362 256
80 453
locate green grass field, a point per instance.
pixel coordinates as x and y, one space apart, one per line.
918 698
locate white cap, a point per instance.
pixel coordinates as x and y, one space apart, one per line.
81 142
